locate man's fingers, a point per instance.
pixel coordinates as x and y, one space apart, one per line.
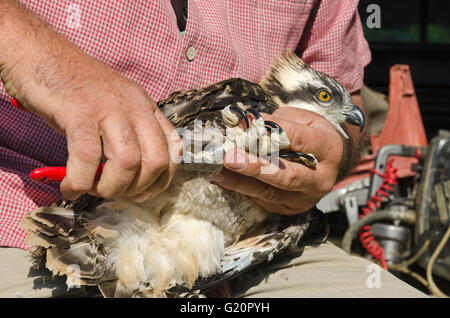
175 143
254 188
278 208
85 151
155 157
123 156
158 166
282 174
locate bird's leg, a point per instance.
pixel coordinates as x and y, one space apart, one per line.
260 137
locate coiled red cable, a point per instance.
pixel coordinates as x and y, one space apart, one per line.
381 196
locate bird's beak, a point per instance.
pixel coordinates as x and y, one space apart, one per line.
355 117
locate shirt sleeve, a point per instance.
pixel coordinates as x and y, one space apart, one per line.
333 42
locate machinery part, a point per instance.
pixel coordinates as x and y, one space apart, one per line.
433 204
338 199
351 209
383 156
442 191
384 178
408 217
432 286
429 282
395 240
382 195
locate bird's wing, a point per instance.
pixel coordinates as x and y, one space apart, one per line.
66 234
205 104
67 240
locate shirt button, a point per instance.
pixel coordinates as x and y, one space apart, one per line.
190 53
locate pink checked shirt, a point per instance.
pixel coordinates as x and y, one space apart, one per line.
140 39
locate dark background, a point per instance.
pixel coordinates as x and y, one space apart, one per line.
417 33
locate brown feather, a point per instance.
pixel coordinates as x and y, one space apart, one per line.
182 108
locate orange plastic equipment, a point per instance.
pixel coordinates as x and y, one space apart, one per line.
403 126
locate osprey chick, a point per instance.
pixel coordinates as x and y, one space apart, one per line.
194 234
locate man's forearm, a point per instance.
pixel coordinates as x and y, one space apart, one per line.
21 36
16 26
36 61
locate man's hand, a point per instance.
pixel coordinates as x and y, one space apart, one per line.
99 111
291 187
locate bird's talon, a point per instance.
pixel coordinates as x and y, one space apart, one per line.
257 123
254 112
241 113
308 159
280 137
273 125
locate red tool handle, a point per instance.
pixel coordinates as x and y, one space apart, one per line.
18 106
16 103
55 174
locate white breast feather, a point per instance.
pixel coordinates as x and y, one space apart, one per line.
180 234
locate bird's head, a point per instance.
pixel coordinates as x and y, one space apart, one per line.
294 83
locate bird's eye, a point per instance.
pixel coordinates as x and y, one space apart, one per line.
324 96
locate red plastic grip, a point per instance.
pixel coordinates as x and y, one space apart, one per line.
55 174
18 106
15 103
